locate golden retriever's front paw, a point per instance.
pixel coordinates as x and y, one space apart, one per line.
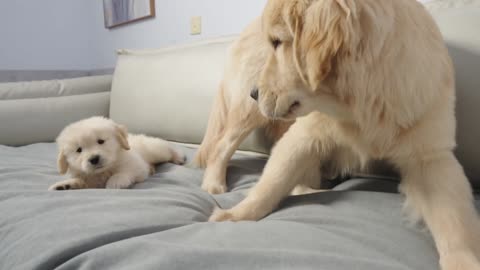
235 214
460 261
220 215
214 187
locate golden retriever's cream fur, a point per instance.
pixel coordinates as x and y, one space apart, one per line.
372 78
234 113
99 153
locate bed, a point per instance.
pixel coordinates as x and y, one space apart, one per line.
162 223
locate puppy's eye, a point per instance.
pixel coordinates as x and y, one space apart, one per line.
79 149
101 141
276 42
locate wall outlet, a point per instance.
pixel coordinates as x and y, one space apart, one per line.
196 25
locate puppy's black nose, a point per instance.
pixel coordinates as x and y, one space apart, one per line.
254 93
94 160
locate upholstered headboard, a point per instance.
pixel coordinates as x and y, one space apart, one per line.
9 75
36 111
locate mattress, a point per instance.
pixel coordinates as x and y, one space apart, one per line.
162 223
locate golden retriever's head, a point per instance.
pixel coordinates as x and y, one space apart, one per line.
306 37
91 145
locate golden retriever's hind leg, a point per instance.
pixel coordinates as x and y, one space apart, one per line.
206 149
214 179
438 191
202 154
215 128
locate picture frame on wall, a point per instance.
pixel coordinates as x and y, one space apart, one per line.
121 12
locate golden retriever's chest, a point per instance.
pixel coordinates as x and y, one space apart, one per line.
371 143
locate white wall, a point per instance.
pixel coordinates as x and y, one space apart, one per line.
70 34
172 25
46 34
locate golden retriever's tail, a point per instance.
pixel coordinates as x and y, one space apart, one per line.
155 150
215 128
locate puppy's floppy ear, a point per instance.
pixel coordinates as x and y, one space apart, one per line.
327 28
122 136
62 162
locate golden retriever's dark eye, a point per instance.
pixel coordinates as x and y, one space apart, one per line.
79 149
276 42
101 141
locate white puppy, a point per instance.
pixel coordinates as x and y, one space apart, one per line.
99 153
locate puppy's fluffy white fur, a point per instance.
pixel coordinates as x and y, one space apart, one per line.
99 153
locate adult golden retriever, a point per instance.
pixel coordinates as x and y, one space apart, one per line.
373 76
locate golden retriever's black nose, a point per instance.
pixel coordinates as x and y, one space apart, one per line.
94 160
254 93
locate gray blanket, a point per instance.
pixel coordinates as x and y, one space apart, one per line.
161 224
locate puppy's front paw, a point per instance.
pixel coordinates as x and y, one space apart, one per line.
73 183
60 186
214 187
460 261
178 157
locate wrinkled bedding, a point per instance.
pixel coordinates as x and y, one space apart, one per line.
161 223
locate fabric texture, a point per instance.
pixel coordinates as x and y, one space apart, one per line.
161 223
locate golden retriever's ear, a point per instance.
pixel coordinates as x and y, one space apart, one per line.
62 163
327 28
293 13
122 136
294 18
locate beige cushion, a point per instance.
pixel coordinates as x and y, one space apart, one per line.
37 111
460 26
169 92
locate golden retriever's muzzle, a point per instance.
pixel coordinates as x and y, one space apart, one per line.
279 90
275 106
254 94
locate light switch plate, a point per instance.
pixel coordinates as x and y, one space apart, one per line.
196 25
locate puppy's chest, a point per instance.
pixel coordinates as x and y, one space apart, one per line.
98 180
